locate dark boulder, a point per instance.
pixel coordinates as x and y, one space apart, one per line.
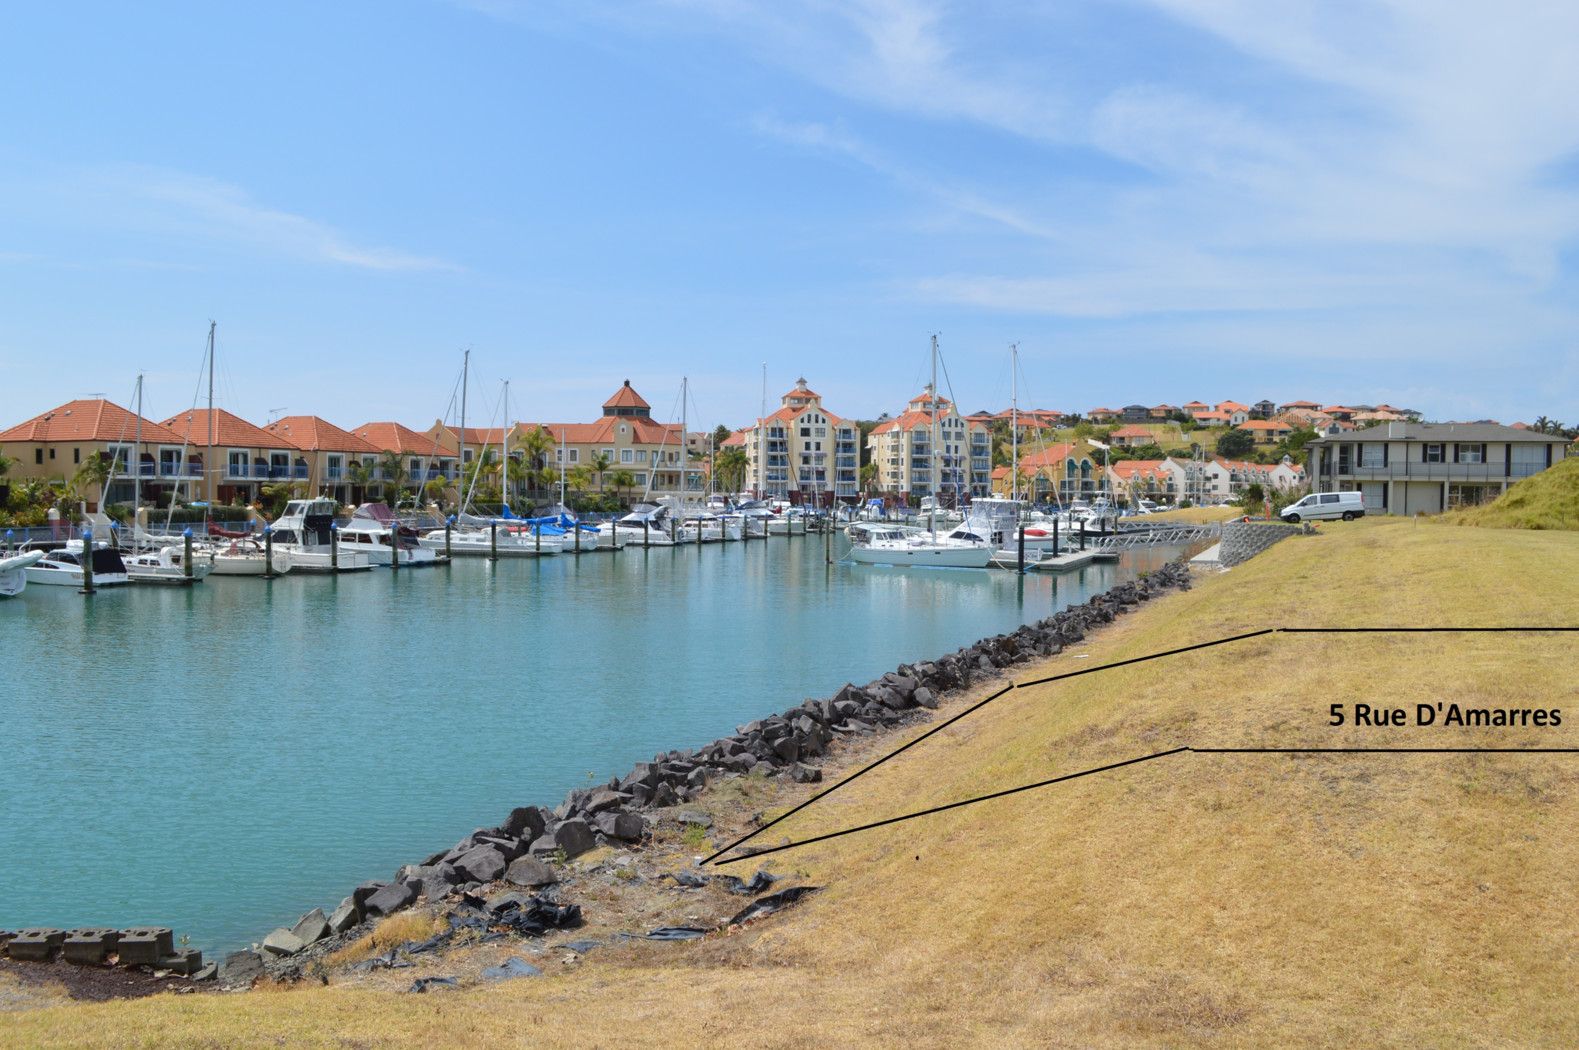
530 871
390 899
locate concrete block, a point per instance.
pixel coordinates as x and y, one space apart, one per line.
90 945
146 945
185 962
39 944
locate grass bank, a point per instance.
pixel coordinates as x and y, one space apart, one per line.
1236 900
1548 500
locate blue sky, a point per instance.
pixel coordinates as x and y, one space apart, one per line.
1159 200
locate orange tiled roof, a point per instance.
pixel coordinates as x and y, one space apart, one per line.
626 397
1131 431
89 419
229 429
1263 424
314 434
1232 406
394 437
1224 416
1130 467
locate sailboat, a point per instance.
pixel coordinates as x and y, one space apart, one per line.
903 549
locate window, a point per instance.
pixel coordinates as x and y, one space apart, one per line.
1373 454
1331 497
641 455
805 432
238 464
1432 454
1471 453
608 453
627 455
51 453
575 455
38 455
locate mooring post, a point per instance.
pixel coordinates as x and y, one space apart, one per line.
268 552
646 539
493 541
186 561
1082 534
1055 536
87 560
537 538
334 546
1021 532
449 524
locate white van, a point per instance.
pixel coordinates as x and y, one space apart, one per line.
1325 505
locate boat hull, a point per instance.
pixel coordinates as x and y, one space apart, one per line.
923 557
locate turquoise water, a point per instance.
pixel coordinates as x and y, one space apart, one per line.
221 758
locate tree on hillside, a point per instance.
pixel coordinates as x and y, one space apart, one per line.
1236 444
720 435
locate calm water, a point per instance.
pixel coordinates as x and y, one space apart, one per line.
219 759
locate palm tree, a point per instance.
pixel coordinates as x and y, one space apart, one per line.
601 464
580 478
868 477
358 475
279 493
95 473
392 471
535 447
5 465
623 480
732 464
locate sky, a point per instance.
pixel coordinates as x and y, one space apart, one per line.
1157 200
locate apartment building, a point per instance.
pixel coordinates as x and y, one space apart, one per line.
1057 473
406 457
902 449
804 453
1410 468
245 456
1137 479
54 446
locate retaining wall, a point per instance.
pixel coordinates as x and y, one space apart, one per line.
1243 540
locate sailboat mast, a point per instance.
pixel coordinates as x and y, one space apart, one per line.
504 450
1014 420
137 454
466 363
937 474
685 421
208 453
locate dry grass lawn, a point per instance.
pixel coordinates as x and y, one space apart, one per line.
1328 900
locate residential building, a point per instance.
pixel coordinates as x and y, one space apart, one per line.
804 453
246 457
1137 479
1263 410
1288 475
1056 473
1135 413
1235 412
1193 409
1411 468
1102 415
1214 418
902 449
1341 412
55 445
408 458
1159 413
1131 436
321 454
1266 431
1307 406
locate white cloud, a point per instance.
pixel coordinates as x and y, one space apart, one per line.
199 211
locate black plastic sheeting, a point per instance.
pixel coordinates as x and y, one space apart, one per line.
771 903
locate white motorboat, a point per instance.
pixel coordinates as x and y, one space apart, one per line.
13 574
245 557
63 567
166 565
905 548
647 525
305 534
373 531
997 523
507 538
791 522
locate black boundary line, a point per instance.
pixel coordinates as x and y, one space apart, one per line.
950 721
713 857
1148 758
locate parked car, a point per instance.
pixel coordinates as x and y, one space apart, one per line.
1319 506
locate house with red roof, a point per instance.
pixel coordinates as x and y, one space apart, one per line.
244 456
906 459
147 456
1131 435
1266 431
1103 415
1151 479
1236 412
322 454
409 458
1055 473
1193 409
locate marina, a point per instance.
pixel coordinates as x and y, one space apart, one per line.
319 730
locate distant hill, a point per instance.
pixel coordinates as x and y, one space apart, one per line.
1549 500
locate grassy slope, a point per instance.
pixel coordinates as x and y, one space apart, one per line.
1548 500
1243 900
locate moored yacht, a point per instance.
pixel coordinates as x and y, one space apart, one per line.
166 565
647 525
374 531
305 533
62 567
241 556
